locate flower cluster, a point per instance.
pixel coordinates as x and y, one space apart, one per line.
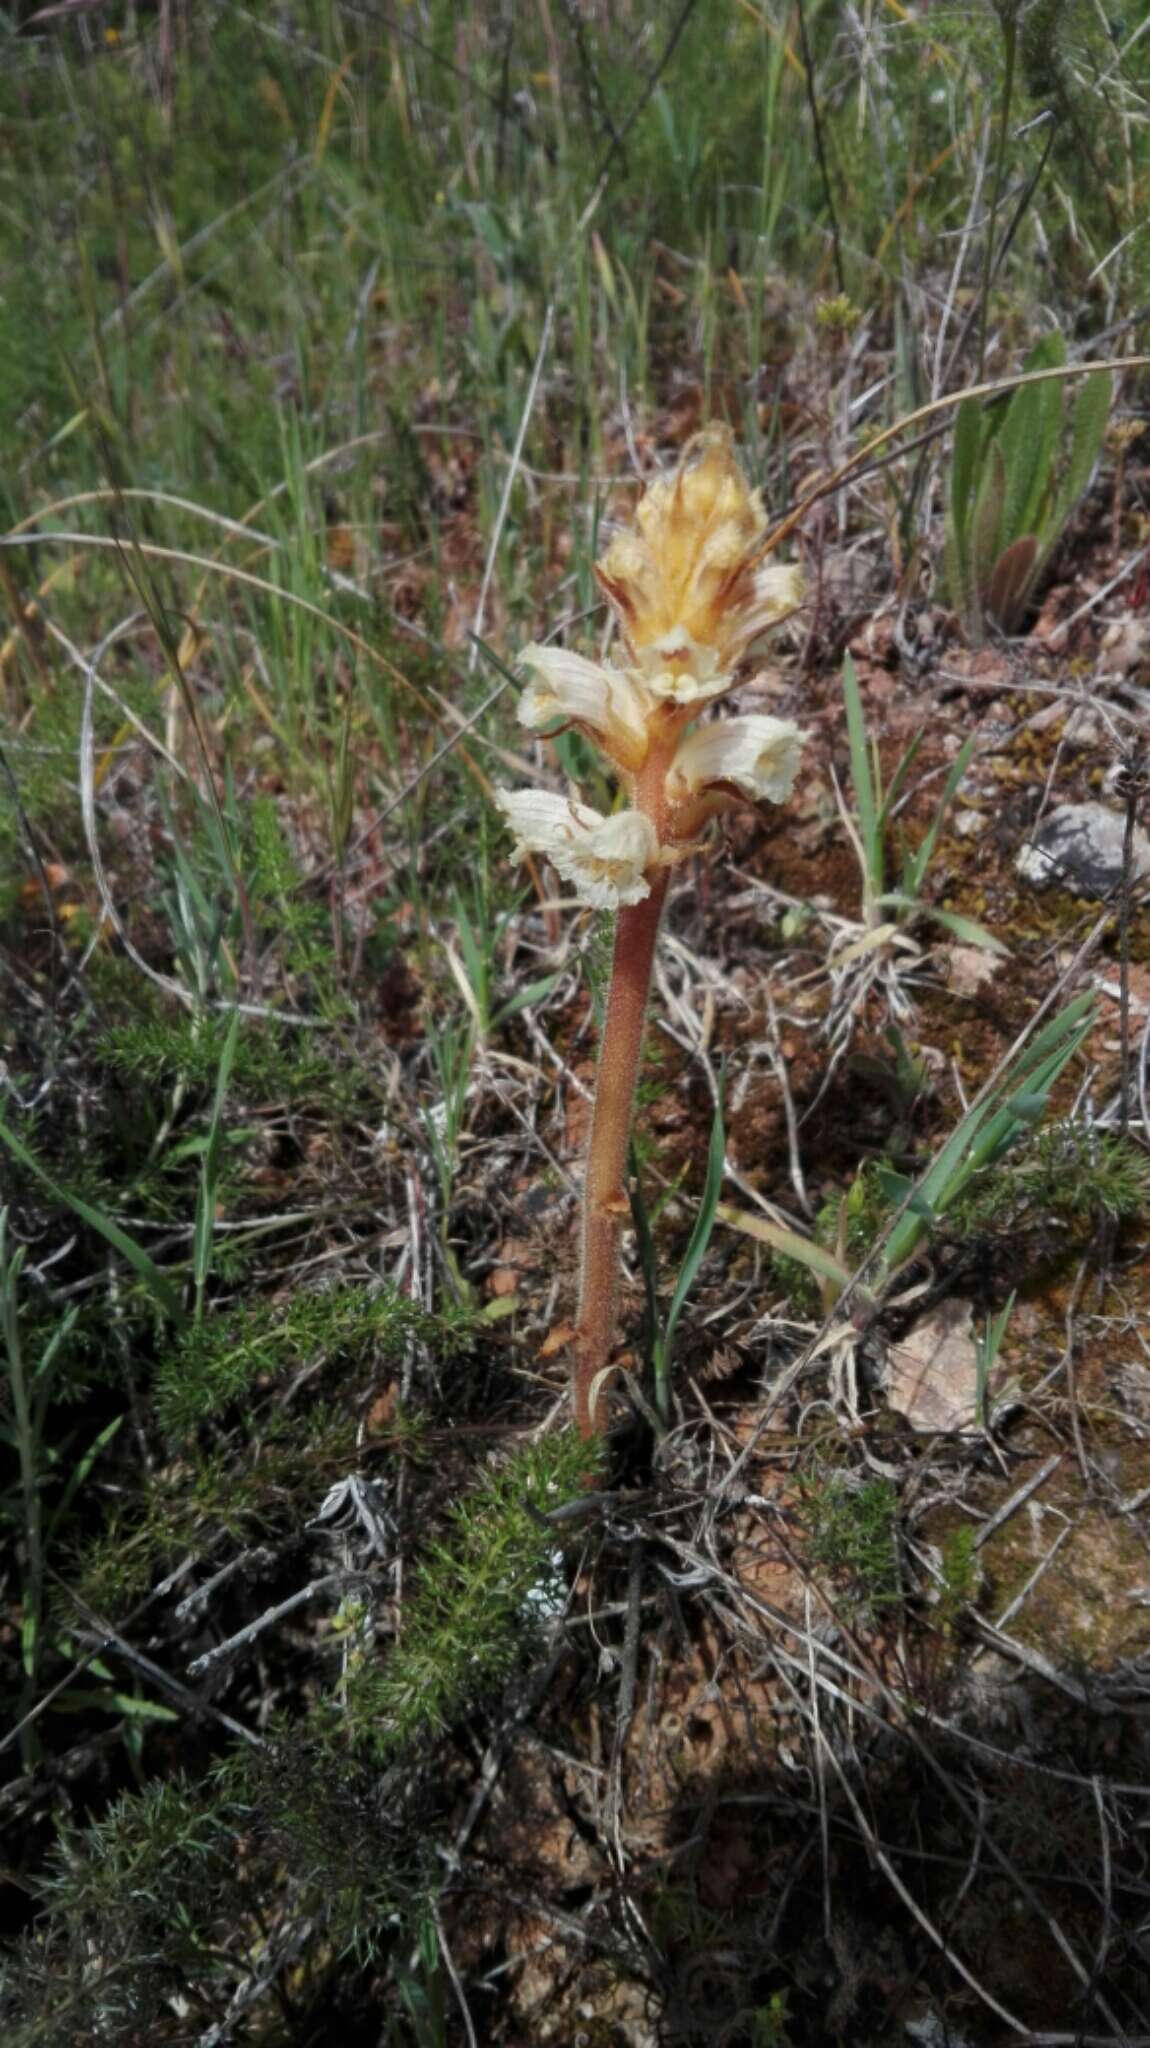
691 598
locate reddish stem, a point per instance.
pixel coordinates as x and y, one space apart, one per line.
606 1207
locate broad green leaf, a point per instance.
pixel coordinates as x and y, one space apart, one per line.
960 583
987 521
964 469
1049 354
1091 412
1029 439
1019 442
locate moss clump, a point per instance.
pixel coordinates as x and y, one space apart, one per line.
854 1532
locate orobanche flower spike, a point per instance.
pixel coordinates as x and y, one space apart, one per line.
691 597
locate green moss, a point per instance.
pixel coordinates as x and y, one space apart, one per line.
961 1576
853 1532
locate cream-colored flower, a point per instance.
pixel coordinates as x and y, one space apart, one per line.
689 570
676 670
776 591
606 703
604 859
757 755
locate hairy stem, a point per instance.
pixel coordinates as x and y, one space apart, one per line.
605 1205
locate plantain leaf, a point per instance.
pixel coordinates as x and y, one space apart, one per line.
1050 354
1019 442
1091 412
1011 583
987 521
964 467
960 583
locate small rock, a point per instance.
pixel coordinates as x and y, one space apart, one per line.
969 968
1081 724
968 824
1079 847
1125 644
932 2032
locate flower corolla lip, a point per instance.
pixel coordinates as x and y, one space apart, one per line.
605 859
776 591
608 703
757 755
678 672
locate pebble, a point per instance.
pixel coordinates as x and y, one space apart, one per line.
1079 847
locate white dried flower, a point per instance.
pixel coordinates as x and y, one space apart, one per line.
758 755
607 703
604 859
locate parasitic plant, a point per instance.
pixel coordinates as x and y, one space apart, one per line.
691 596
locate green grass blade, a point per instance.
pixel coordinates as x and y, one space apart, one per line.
788 1242
866 805
535 992
920 860
704 1225
205 1223
161 1290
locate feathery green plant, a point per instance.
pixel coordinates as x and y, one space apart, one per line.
213 1364
478 1595
1014 487
853 1530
